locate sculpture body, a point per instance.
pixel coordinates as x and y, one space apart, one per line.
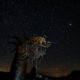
33 48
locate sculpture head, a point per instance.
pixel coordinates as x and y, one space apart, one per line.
36 46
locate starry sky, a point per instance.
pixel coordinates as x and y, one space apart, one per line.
57 19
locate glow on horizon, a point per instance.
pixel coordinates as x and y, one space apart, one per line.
45 72
49 71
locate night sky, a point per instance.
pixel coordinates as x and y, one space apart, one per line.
57 19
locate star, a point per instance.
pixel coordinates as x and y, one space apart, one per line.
70 24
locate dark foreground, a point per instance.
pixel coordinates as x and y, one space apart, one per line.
75 75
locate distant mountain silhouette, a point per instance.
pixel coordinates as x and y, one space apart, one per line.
75 75
4 75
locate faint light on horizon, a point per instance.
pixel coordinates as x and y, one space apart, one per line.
4 69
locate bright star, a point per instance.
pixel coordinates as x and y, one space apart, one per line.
70 24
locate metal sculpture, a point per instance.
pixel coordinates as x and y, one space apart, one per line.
36 48
33 48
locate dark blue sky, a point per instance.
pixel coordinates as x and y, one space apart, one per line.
58 20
